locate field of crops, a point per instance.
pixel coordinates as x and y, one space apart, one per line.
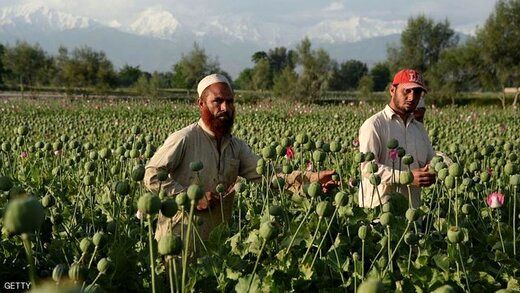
72 172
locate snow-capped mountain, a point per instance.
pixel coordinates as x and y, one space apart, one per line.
353 29
156 23
38 17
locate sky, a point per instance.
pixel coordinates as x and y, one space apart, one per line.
464 15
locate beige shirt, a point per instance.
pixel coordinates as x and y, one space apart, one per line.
194 143
374 134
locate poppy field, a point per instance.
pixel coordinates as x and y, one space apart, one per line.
75 215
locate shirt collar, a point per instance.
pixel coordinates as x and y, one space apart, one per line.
390 113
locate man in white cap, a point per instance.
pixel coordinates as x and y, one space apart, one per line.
396 121
224 158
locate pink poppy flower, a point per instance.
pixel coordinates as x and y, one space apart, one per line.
24 155
289 153
495 200
355 142
393 154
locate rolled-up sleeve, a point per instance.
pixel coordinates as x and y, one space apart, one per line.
167 157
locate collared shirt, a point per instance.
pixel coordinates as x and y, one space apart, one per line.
193 143
374 135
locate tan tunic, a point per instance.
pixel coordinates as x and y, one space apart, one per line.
197 143
374 134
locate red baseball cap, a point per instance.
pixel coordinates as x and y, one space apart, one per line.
409 78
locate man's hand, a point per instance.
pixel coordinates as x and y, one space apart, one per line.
422 177
325 178
210 199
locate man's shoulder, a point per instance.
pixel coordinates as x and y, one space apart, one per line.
375 120
185 132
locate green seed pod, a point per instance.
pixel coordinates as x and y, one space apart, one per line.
181 199
363 232
103 265
269 152
196 166
89 180
318 156
372 167
90 167
195 192
392 144
287 169
275 210
324 209
410 238
220 188
412 215
169 207
371 286
484 177
455 170
514 180
449 181
149 204
23 215
260 170
138 173
443 173
105 153
473 167
302 138
386 219
314 189
341 199
22 130
406 178
509 168
162 175
387 207
335 146
375 179
77 272
369 156
58 272
400 152
268 230
169 244
99 238
86 245
407 159
359 157
278 182
48 201
280 150
5 183
441 165
455 235
122 188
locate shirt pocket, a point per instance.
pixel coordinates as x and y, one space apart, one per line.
231 170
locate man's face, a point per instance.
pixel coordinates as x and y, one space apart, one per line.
217 108
405 100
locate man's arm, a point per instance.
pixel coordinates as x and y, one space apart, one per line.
168 158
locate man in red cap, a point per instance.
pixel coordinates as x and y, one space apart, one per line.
396 121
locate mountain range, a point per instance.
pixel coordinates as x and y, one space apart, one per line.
156 39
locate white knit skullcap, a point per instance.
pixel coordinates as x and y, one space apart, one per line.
421 104
209 80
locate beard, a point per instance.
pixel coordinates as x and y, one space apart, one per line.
220 124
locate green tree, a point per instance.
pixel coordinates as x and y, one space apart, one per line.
2 71
365 86
244 80
262 75
347 75
499 41
128 75
285 84
380 74
422 42
24 64
192 67
316 66
86 68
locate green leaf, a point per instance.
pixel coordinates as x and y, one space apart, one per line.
233 275
442 261
243 284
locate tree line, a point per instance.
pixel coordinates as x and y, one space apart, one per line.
488 61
